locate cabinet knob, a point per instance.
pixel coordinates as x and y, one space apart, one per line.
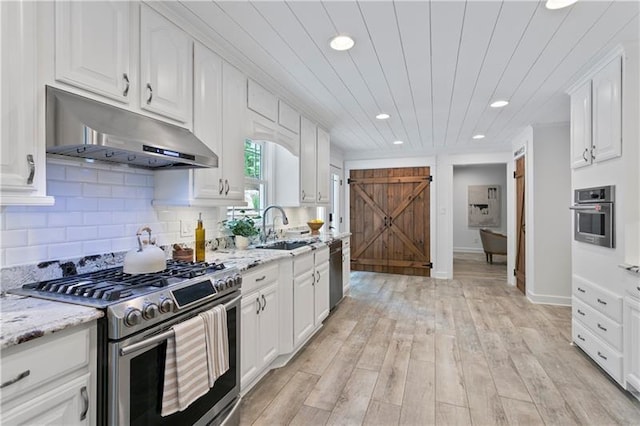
150 98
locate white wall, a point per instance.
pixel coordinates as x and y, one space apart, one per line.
467 238
98 209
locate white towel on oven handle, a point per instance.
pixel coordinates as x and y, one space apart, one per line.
185 373
215 321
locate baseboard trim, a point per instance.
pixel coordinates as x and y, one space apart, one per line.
546 299
467 250
440 275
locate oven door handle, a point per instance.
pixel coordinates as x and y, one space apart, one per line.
162 336
582 207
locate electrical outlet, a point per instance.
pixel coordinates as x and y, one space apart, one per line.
186 229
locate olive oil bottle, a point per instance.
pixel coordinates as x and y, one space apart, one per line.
200 240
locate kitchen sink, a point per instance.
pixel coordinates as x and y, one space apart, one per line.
285 245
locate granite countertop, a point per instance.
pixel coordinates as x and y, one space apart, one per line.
26 318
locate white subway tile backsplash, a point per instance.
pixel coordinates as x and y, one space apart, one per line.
97 218
84 204
17 238
122 217
65 219
96 247
124 244
111 231
46 236
65 250
65 189
135 179
110 204
123 192
80 233
25 255
81 174
96 190
110 178
21 220
144 192
134 204
56 172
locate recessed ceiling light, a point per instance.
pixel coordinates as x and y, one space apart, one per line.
341 42
382 116
398 142
477 137
558 4
499 104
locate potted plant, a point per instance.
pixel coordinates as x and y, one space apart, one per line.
243 228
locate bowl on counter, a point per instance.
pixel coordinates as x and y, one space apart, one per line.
315 226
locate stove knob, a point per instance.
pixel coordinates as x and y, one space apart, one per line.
238 279
220 285
150 311
132 317
230 282
166 305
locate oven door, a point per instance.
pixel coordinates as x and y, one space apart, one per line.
136 377
593 224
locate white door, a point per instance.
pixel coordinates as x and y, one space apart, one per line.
249 329
607 111
322 167
581 126
92 47
307 161
207 118
165 67
234 131
269 336
303 318
321 289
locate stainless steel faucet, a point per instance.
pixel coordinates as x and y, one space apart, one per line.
285 221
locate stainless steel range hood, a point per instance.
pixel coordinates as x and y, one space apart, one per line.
81 127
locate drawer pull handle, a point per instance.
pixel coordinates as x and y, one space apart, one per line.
258 302
581 290
262 278
581 338
16 379
602 356
32 169
580 312
150 98
264 302
601 327
125 92
85 401
602 302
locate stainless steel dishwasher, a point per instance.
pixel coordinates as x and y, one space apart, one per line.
335 273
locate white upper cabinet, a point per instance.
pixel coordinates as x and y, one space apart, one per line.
165 67
288 117
581 126
307 161
596 116
607 111
92 47
322 167
22 150
262 101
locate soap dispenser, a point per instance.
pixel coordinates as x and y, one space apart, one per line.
200 240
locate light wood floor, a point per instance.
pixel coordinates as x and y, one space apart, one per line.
420 351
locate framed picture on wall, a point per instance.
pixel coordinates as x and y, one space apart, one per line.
484 205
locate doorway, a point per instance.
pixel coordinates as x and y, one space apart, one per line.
519 270
334 212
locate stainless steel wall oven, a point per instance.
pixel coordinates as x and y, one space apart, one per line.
594 216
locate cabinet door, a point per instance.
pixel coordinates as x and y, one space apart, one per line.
581 126
322 167
92 47
632 343
346 268
249 330
307 161
268 324
262 101
165 67
66 405
607 112
207 118
303 318
234 131
321 293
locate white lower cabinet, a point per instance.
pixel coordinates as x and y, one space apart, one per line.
632 345
259 324
346 264
310 293
51 380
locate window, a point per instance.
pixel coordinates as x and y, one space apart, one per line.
255 180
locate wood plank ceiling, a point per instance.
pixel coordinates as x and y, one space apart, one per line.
434 66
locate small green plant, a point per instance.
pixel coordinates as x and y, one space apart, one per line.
243 226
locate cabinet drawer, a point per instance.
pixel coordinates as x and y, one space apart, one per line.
259 277
598 298
346 243
302 264
45 359
600 352
599 324
322 255
288 117
261 101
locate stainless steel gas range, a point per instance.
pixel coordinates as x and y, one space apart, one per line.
140 311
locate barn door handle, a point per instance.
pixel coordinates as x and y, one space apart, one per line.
385 221
390 221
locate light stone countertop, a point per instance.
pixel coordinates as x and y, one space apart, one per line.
26 318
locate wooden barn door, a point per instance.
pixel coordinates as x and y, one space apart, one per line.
390 220
519 271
